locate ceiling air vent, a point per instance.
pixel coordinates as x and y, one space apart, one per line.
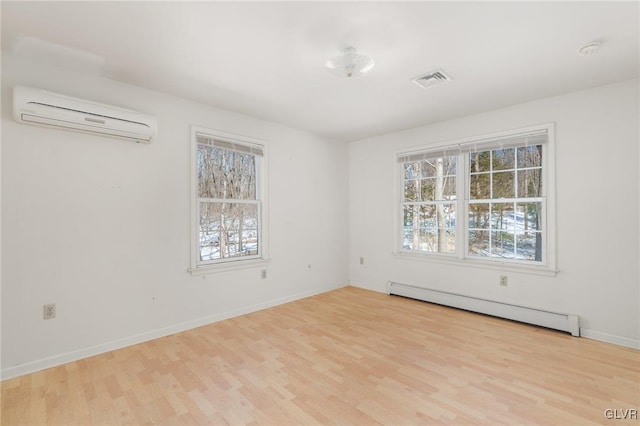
431 79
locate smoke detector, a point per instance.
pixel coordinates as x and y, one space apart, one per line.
431 79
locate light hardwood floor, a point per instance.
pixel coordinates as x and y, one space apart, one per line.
349 356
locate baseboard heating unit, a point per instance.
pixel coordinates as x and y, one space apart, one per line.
553 320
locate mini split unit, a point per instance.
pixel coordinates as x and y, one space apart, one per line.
42 108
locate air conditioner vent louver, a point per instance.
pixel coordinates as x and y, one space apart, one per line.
431 79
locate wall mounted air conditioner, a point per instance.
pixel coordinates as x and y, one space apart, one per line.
43 108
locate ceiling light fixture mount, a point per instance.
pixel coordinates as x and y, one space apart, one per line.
350 63
589 49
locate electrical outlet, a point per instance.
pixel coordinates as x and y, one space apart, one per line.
49 311
263 274
503 280
362 260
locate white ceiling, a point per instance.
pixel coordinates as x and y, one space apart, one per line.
265 59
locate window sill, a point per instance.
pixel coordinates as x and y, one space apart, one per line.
228 266
473 263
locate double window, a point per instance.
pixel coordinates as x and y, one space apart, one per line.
228 196
486 199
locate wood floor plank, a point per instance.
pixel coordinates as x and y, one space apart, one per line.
349 356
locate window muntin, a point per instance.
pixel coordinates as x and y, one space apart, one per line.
228 200
502 185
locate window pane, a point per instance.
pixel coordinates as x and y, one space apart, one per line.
248 230
502 244
240 175
410 227
503 185
443 166
225 173
530 183
479 243
429 168
228 230
230 236
429 228
446 219
240 224
411 188
449 243
436 241
479 186
529 156
529 246
503 159
427 189
529 217
209 235
449 166
210 179
479 216
410 171
413 217
502 216
448 191
430 180
407 216
428 240
480 161
440 185
427 217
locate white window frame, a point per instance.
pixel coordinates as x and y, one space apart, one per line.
461 148
199 267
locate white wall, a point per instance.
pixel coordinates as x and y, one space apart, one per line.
100 226
597 139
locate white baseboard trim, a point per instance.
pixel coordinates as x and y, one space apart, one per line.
56 360
610 338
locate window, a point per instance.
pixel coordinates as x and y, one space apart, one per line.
481 200
505 206
429 206
228 197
